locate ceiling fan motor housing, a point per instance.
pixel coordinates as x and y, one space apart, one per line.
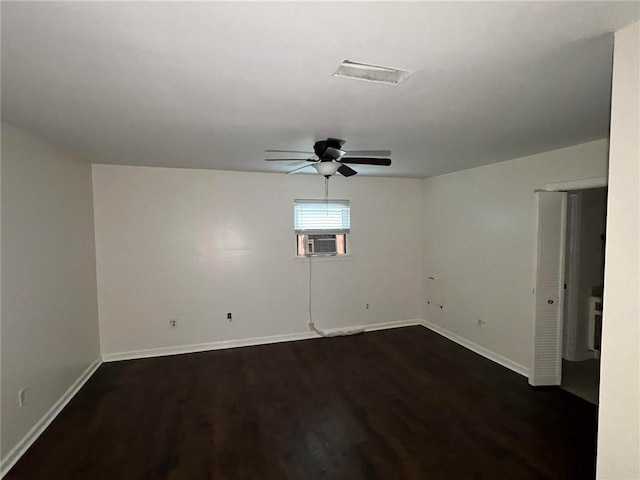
329 149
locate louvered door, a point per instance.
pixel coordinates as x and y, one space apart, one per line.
547 358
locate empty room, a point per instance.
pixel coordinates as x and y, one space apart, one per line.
320 240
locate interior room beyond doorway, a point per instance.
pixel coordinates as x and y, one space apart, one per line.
584 283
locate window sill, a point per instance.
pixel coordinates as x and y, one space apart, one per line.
327 258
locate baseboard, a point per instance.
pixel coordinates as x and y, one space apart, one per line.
205 347
32 435
474 347
246 342
386 325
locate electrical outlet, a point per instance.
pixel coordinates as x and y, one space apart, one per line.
367 306
22 396
229 317
173 323
480 322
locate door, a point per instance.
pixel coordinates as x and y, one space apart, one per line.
547 350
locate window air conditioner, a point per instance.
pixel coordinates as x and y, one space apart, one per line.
321 244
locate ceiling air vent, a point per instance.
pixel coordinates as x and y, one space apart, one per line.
371 73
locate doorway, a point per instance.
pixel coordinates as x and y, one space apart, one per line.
583 287
557 289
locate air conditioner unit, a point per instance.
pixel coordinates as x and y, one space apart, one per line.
321 244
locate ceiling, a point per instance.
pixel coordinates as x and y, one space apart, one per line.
212 85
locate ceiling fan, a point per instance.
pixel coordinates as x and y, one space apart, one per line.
328 158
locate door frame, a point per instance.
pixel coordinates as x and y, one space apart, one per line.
581 184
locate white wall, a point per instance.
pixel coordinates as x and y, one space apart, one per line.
196 244
619 421
479 243
49 306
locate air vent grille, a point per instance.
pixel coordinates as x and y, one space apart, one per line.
371 73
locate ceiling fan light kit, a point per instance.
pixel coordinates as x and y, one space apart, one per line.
326 168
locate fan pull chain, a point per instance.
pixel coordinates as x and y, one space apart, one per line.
326 191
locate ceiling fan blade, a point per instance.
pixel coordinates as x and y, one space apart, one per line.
368 153
297 169
334 153
320 147
297 164
288 151
290 160
335 142
385 162
346 171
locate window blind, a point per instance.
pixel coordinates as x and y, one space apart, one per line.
320 216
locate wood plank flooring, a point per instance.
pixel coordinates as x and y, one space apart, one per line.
395 404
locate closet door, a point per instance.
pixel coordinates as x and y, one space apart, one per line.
547 350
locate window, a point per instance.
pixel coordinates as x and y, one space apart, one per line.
321 227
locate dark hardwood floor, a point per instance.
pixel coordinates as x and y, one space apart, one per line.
395 404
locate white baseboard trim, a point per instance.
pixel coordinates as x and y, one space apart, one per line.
204 347
386 325
32 435
247 342
474 347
